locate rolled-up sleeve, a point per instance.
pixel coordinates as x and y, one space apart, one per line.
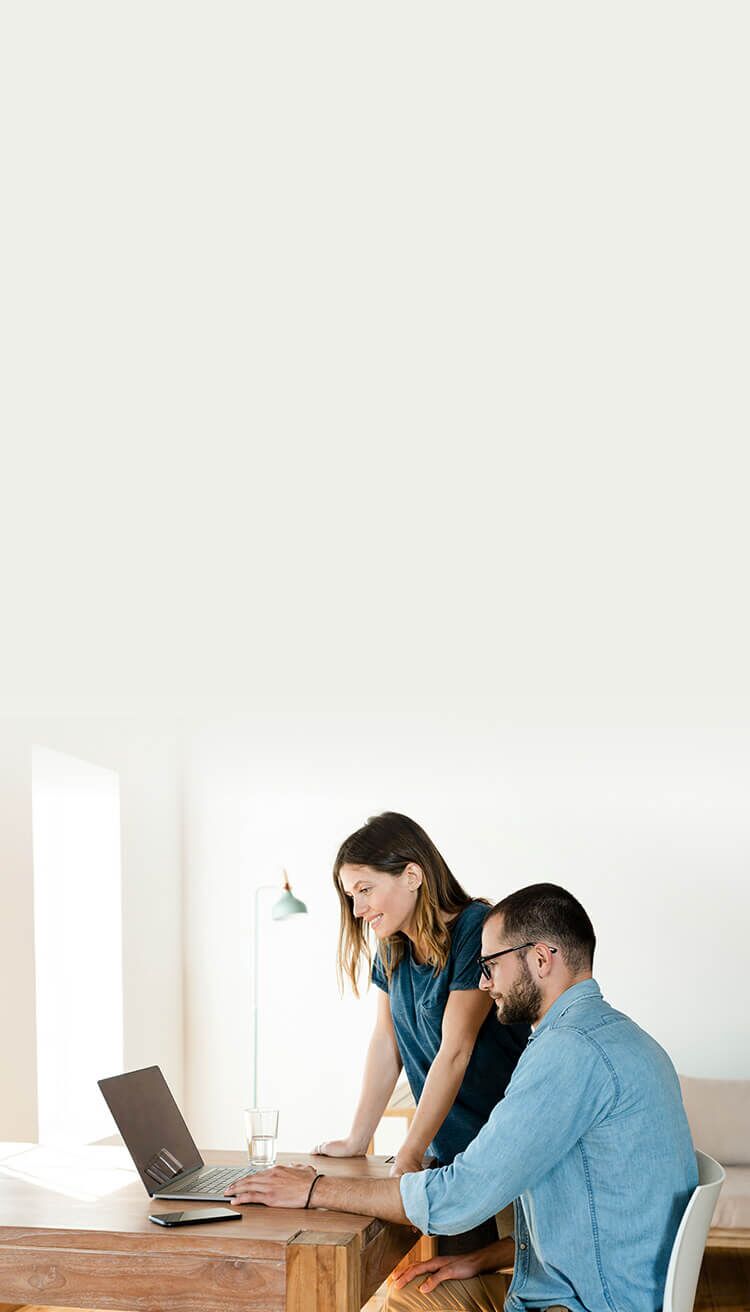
414 1198
560 1087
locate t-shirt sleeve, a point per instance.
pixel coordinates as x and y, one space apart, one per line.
466 947
378 975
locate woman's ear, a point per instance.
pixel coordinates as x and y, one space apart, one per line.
414 876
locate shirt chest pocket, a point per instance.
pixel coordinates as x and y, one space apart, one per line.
430 1020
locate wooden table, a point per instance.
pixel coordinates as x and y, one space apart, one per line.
74 1232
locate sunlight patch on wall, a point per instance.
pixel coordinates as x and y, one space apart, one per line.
78 943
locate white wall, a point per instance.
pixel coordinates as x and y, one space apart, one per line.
649 827
402 353
18 1118
146 760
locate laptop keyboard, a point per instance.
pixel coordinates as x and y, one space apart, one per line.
209 1180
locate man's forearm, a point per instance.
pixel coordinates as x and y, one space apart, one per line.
297 1186
364 1197
501 1254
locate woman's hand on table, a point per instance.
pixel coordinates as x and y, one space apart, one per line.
281 1186
340 1148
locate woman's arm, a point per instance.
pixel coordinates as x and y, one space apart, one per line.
382 1069
464 1015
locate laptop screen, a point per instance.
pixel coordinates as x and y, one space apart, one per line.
151 1125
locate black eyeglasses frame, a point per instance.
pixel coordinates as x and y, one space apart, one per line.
492 956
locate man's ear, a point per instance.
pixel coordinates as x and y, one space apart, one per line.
414 875
544 959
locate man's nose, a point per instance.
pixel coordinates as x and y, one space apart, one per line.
484 982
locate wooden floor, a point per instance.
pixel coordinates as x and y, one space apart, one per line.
724 1287
724 1282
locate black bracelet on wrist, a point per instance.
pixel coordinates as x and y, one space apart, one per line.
316 1177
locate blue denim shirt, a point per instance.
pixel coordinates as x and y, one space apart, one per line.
592 1144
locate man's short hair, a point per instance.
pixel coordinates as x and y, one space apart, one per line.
546 913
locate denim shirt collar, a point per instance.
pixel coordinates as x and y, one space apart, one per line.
587 988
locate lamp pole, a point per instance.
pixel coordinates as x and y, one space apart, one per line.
286 906
256 932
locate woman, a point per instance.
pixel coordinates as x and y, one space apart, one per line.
432 1018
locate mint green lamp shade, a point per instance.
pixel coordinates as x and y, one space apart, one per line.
288 904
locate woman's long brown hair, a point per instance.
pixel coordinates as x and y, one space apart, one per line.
388 842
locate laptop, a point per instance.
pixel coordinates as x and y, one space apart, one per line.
159 1141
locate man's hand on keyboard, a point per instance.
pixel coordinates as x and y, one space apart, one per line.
281 1186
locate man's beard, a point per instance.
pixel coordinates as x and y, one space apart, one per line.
522 1004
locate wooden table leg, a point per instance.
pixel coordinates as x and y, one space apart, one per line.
323 1272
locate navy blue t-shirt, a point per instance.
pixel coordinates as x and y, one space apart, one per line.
418 998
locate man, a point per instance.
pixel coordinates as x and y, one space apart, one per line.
590 1142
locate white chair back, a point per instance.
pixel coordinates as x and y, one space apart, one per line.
690 1240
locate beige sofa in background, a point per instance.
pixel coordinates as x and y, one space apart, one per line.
719 1115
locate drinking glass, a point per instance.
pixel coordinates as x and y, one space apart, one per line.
261 1130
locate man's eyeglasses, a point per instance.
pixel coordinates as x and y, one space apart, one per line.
493 956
